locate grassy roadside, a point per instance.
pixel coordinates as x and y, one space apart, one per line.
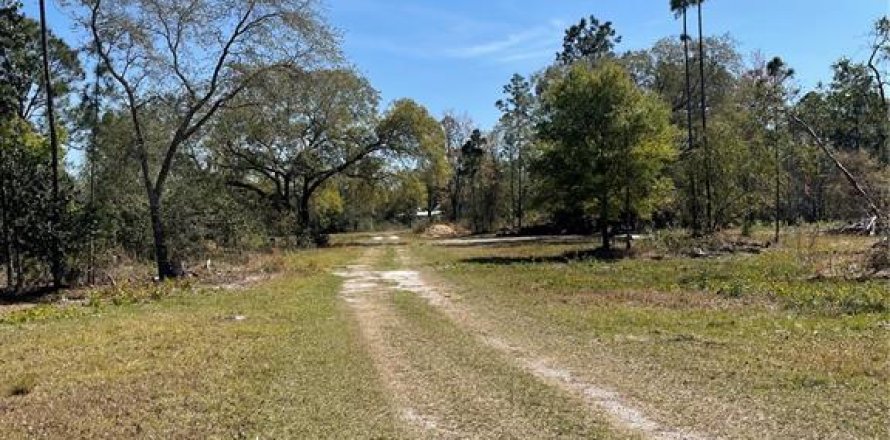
182 367
739 346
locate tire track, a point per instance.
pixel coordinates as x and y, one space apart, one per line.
362 290
597 398
443 381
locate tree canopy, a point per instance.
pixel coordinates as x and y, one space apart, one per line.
608 144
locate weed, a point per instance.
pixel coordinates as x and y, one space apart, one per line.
40 313
20 386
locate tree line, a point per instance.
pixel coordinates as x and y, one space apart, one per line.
690 133
192 128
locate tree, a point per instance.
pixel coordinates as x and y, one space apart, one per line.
841 127
709 214
872 205
24 85
881 52
12 41
30 235
89 124
472 154
298 130
518 123
589 40
608 144
150 48
680 7
662 71
776 96
435 174
54 145
35 65
458 129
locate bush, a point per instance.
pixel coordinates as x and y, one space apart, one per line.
879 257
126 293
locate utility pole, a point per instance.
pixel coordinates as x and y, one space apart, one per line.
55 214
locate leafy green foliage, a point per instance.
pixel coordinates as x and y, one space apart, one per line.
519 110
328 128
608 145
28 236
22 73
589 40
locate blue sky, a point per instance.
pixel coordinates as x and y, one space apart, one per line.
457 54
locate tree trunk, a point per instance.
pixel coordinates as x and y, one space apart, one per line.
879 83
778 193
521 205
303 214
430 201
304 217
693 188
91 259
872 206
604 222
514 200
704 122
689 139
474 205
165 269
7 235
455 198
628 217
56 214
19 269
91 158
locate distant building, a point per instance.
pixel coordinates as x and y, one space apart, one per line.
424 214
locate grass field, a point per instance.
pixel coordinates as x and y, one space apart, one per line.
737 346
183 367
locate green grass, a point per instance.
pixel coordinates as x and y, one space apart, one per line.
739 346
388 261
181 367
784 276
749 336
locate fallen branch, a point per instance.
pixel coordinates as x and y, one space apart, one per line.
872 206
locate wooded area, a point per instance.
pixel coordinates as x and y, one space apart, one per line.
214 126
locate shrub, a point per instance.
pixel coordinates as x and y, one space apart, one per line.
879 257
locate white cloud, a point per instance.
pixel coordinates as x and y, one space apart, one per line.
525 56
534 43
498 46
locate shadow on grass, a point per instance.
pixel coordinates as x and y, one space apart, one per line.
512 241
32 295
364 245
598 254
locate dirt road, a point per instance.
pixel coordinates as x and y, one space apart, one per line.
452 375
